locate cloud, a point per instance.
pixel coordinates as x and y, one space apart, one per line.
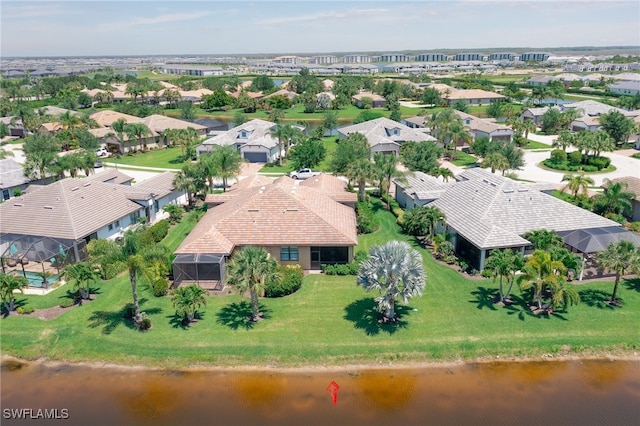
14 12
159 19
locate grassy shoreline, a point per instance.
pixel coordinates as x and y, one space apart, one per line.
328 322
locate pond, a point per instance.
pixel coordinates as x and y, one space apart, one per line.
527 393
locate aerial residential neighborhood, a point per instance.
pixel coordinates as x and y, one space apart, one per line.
315 223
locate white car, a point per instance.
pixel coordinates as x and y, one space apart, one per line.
303 174
102 152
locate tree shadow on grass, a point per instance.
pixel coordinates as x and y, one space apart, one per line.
237 315
595 298
364 315
178 321
110 320
484 298
632 284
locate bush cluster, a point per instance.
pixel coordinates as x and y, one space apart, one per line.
575 162
366 219
289 281
160 287
159 230
24 310
67 303
341 269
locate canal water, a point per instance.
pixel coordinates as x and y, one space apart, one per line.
529 393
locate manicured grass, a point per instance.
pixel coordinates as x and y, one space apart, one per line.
637 156
329 321
169 158
464 160
535 145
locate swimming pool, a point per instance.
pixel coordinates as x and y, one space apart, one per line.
35 279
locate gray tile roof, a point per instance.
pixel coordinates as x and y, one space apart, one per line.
11 174
424 186
257 134
110 176
67 209
492 211
160 185
592 108
380 131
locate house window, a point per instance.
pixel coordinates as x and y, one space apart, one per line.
289 253
5 194
156 205
243 135
117 224
110 227
133 217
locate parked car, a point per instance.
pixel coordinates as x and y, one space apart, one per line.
102 152
97 164
303 174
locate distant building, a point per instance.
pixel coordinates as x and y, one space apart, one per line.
468 57
198 70
394 57
356 59
534 57
287 60
324 59
625 87
503 56
431 57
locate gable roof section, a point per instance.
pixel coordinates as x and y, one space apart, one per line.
258 131
159 185
592 108
377 132
11 174
481 125
109 176
160 123
279 214
492 211
424 186
107 118
473 94
332 186
69 209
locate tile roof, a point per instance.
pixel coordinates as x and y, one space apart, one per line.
107 118
159 185
633 184
332 186
257 134
424 186
378 132
160 123
69 209
280 213
592 108
493 211
109 176
474 123
11 174
372 96
474 94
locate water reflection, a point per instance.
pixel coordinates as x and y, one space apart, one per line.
558 393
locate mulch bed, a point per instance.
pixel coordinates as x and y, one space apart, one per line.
53 312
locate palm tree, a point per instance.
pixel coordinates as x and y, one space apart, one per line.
138 131
616 199
540 273
187 300
249 269
119 126
432 216
142 262
394 269
280 133
84 275
9 284
457 133
621 257
386 169
503 264
496 161
445 173
361 171
564 140
563 295
227 161
186 181
528 126
41 151
543 239
577 184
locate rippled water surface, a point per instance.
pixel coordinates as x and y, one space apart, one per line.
532 393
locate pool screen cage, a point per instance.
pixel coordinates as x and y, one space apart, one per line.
52 254
207 270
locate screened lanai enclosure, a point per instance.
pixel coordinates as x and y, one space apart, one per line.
206 270
39 259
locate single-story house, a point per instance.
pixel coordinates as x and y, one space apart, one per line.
541 80
417 122
419 189
252 139
633 185
585 123
629 87
297 224
535 114
377 101
71 212
282 92
485 211
15 126
483 128
592 108
385 135
13 180
473 97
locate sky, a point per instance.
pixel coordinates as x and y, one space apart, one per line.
96 28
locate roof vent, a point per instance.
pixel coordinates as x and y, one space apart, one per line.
75 188
18 204
253 210
48 207
523 189
507 191
87 184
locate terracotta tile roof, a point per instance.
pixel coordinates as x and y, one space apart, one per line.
280 213
633 184
107 118
332 186
160 123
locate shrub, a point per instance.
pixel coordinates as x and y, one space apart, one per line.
574 157
558 156
159 230
67 303
366 219
288 282
160 287
145 323
342 269
328 269
486 273
599 162
353 268
25 310
634 226
363 255
444 250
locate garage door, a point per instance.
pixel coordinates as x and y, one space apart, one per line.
256 157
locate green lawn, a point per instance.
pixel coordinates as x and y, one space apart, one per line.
636 156
464 160
168 158
329 321
536 145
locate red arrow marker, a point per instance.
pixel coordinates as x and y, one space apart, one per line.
333 389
